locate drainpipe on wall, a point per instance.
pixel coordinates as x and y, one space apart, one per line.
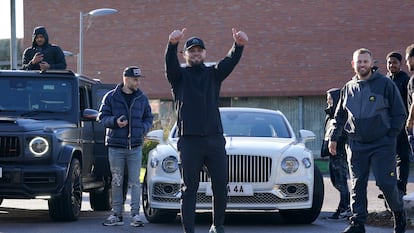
300 112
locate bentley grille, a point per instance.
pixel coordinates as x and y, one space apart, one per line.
245 168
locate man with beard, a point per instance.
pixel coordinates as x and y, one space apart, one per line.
196 89
126 114
400 79
372 113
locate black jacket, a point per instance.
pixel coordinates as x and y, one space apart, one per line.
369 109
52 54
196 92
401 80
329 121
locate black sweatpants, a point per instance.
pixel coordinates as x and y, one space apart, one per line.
380 157
403 160
196 151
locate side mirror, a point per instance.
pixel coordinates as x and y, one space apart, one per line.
156 135
90 114
306 136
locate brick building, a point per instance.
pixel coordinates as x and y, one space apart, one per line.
297 49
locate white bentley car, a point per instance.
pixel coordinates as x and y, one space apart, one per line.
269 169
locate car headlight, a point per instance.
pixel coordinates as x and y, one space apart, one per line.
290 164
38 146
170 164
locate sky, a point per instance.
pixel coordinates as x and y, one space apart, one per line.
5 19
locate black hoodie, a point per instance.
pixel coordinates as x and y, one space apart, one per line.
330 112
52 54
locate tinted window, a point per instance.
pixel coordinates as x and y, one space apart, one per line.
35 94
253 124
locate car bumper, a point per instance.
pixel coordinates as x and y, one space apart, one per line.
31 182
166 195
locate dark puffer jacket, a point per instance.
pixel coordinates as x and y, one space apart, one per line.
52 54
139 118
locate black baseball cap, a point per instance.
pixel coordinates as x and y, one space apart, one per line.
133 72
193 41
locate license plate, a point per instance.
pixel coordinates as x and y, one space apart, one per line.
234 189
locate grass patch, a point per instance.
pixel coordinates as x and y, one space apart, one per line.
323 165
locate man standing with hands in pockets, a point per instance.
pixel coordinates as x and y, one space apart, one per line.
196 89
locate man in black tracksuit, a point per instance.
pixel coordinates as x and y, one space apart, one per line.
196 90
372 113
400 79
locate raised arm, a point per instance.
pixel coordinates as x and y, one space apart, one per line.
172 65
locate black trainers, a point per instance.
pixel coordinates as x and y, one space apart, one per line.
355 228
335 216
341 214
400 222
345 213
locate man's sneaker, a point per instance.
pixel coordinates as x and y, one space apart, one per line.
335 216
113 220
355 228
400 222
340 214
346 213
216 229
136 221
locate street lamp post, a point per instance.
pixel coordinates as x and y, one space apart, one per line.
96 12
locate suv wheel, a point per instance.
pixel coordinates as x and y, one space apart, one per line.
67 206
155 215
101 200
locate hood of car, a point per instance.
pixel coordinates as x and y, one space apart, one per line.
252 145
26 125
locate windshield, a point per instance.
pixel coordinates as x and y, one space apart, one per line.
35 95
254 124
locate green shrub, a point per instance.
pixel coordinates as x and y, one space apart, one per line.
148 145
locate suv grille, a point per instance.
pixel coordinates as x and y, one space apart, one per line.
245 168
9 146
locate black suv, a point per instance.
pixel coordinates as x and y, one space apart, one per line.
51 146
